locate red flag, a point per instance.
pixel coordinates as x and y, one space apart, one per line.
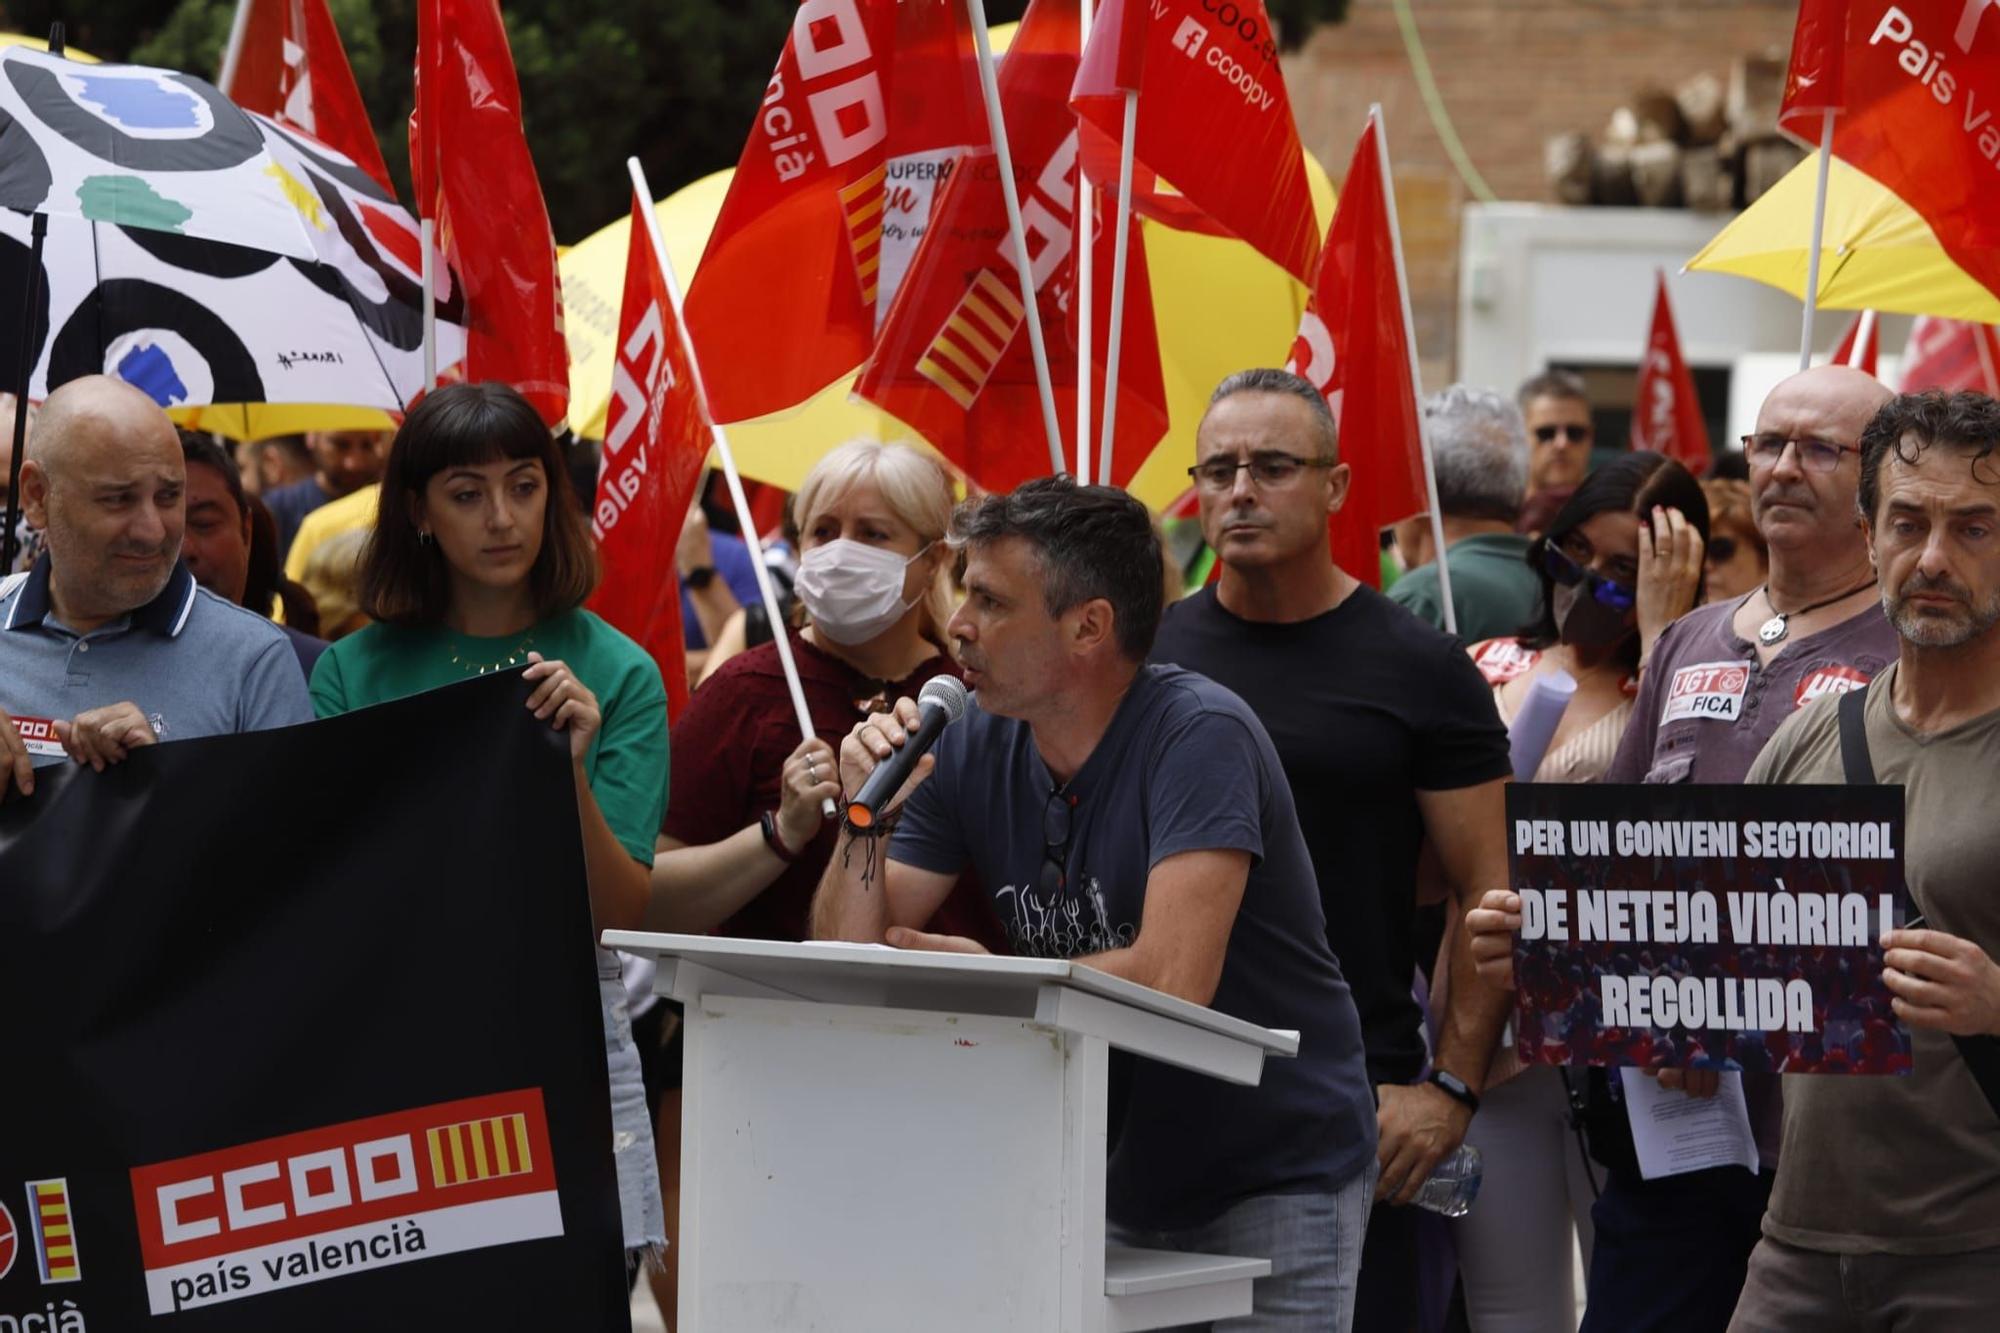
655 439
1860 347
954 361
475 178
1951 354
286 61
784 301
1666 415
1216 139
1917 84
1353 347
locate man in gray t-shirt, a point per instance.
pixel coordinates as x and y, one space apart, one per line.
107 644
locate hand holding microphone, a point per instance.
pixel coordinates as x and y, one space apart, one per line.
884 758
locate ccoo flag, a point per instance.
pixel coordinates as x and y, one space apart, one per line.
1861 346
860 118
954 361
475 178
656 436
1916 85
1217 148
1951 354
1353 347
1666 415
285 61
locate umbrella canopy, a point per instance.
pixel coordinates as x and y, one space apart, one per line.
262 421
1876 253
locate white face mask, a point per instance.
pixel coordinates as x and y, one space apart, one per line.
853 591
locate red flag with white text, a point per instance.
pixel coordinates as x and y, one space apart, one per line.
954 361
1951 354
1916 85
1861 346
869 103
288 64
476 180
1353 346
1666 415
655 438
1217 148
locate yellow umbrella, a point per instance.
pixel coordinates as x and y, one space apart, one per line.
1876 253
41 44
261 421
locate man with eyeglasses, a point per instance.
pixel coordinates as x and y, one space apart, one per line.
1389 740
1134 818
1712 691
1556 407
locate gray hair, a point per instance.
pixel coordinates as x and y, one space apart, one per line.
1264 380
1479 448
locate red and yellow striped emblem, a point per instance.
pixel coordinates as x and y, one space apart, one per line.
55 1232
967 349
862 204
479 1150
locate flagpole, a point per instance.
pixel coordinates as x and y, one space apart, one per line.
1121 244
1864 333
1084 230
1416 370
233 52
1818 233
989 87
724 455
426 236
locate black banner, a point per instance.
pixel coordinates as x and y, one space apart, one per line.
1731 927
300 1030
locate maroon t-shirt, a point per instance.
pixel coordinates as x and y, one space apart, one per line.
729 751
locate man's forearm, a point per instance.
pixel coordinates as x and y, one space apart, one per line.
852 901
713 606
1475 1013
1132 964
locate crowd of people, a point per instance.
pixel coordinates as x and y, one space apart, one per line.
1281 794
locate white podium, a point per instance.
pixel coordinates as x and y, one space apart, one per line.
875 1141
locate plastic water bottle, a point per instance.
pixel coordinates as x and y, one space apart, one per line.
1453 1186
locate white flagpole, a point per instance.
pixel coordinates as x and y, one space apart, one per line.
1084 230
1120 248
989 85
232 53
1416 371
765 591
1818 233
427 238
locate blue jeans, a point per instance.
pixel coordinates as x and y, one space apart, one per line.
1312 1240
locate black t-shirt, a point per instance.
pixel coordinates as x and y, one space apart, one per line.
1367 706
1183 767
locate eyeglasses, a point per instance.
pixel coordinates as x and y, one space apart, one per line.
1563 568
1273 469
1056 826
1721 549
1815 454
1569 430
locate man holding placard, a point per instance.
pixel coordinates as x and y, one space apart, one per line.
1886 1213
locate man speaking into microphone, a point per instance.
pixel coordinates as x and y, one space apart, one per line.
1133 818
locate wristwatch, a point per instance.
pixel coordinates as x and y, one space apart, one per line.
768 823
1455 1088
699 578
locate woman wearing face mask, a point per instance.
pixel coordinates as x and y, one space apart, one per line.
1620 562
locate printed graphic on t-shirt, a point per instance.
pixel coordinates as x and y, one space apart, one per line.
1501 660
1829 680
39 735
1061 924
1712 690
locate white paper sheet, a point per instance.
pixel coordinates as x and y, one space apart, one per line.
1676 1133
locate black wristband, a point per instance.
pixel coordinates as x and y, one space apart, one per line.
1455 1088
768 822
880 827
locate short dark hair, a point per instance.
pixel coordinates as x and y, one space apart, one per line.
1552 383
1092 541
1909 423
1266 380
206 452
403 579
1631 483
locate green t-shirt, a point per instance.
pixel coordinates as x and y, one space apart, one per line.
626 764
1493 590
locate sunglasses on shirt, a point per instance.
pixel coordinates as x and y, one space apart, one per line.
1564 569
1570 431
1056 821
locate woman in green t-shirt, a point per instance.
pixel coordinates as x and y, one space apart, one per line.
480 561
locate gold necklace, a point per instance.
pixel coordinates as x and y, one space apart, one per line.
514 658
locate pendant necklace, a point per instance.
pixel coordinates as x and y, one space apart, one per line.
1774 630
476 668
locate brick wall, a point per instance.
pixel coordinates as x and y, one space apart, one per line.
1511 73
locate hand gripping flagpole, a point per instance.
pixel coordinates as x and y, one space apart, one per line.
989 86
1083 230
1121 243
1818 234
1416 371
727 458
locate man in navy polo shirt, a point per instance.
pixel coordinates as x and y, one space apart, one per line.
107 644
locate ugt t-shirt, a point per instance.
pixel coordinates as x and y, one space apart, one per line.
1184 766
1367 706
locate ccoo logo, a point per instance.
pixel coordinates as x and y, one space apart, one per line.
1189 37
10 1241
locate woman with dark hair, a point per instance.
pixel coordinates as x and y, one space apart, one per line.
1620 561
480 561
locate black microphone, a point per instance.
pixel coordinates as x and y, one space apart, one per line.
941 702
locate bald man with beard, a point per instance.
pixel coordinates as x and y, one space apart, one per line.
107 645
